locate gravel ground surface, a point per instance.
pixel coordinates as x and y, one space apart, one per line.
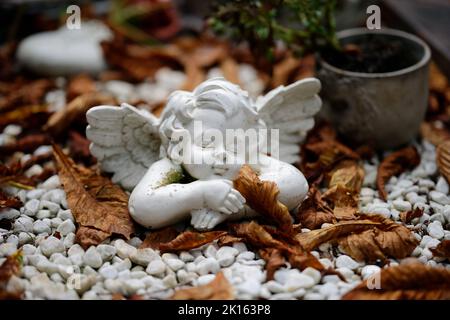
53 265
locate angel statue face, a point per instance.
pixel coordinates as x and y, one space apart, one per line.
204 129
208 134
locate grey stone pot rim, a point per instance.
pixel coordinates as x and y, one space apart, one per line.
385 31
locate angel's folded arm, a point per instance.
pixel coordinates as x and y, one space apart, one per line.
158 200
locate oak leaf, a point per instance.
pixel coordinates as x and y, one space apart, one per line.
80 84
100 207
218 289
10 267
190 240
314 211
411 281
262 197
443 159
442 249
394 164
157 237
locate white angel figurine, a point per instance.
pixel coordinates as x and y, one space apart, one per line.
147 156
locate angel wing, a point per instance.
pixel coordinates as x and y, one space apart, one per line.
125 141
291 109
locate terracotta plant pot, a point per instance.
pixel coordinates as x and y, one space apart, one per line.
383 109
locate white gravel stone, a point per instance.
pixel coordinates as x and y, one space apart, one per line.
51 245
240 246
186 256
435 230
40 227
156 267
124 250
92 258
9 214
31 207
106 251
175 264
133 285
44 213
401 205
65 215
345 261
205 279
442 185
439 197
35 193
298 280
28 249
369 270
55 222
170 281
69 240
210 251
144 256
7 249
208 265
51 183
66 227
226 255
23 223
108 272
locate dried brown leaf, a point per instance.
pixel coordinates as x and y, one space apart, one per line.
407 216
227 240
23 114
437 80
442 249
190 240
155 238
29 94
9 268
262 197
76 108
218 289
79 85
9 201
274 260
394 164
370 238
96 203
313 212
412 281
14 175
443 159
263 238
435 135
26 144
343 201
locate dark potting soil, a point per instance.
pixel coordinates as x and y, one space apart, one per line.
372 54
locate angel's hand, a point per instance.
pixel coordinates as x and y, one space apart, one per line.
219 195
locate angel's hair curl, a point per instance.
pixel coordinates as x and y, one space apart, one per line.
215 93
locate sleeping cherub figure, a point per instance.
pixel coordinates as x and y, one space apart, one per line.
182 164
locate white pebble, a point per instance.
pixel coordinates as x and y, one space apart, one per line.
92 258
124 250
345 261
205 279
208 265
7 249
40 226
106 251
175 264
156 267
442 185
144 256
23 223
66 227
401 205
35 193
435 230
51 183
439 197
369 270
108 272
51 245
